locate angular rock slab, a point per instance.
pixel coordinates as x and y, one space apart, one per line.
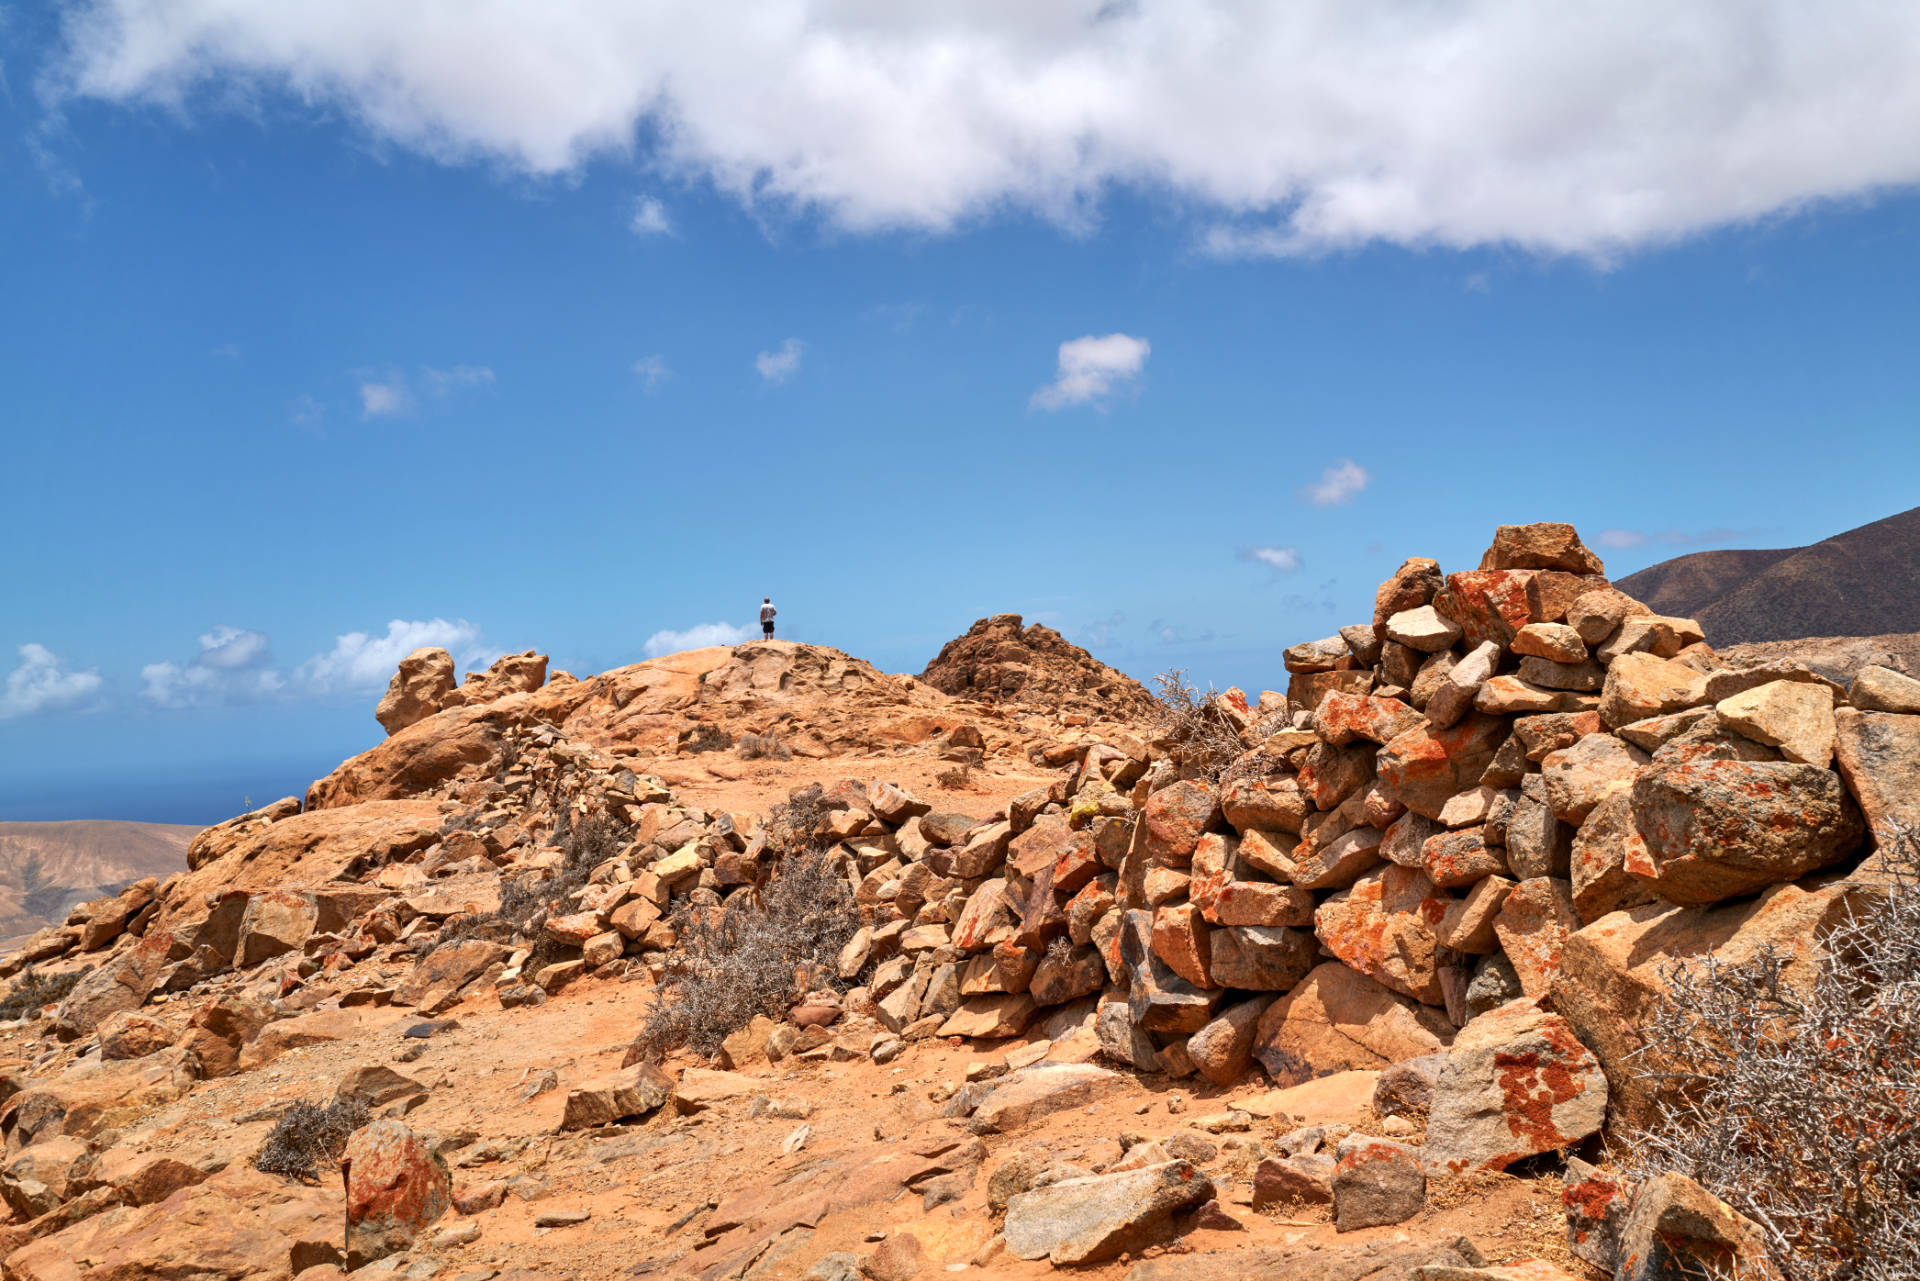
1517 1082
396 1189
1100 1217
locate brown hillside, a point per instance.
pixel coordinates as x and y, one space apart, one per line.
45 868
1865 582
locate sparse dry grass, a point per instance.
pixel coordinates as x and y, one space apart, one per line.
754 747
309 1135
1200 741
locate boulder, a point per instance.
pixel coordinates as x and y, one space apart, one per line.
1275 803
1336 1019
1342 719
276 922
1793 716
1406 1088
1879 757
1640 686
1411 586
1384 928
1102 1216
1612 971
1023 1097
1455 860
1713 829
1598 862
1881 689
1532 926
120 983
1544 545
1376 1183
1596 1205
127 1035
417 690
1423 628
1454 696
1676 1228
1424 767
1489 604
1577 778
1261 958
1293 1180
1222 1050
616 1096
1174 818
396 1190
1517 1082
444 971
992 1017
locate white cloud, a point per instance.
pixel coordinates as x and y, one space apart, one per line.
442 382
1284 560
699 636
649 218
1340 483
653 371
306 410
234 665
361 660
384 399
1091 368
43 682
1290 127
778 366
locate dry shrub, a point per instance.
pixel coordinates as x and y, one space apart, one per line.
308 1135
791 824
528 898
32 991
738 960
705 738
1801 1107
767 746
1200 742
955 778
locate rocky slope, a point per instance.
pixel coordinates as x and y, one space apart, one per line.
1860 583
45 868
1356 998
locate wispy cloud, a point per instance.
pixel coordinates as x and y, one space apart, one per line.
652 371
1093 368
226 351
1626 539
1340 483
782 364
390 393
43 682
444 382
699 636
384 399
1282 560
649 218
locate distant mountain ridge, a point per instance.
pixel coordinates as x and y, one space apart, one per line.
1864 582
45 868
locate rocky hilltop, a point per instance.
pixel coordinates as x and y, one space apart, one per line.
1000 661
1344 980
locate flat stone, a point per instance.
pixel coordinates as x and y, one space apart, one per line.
1020 1098
1881 689
1103 1216
1793 716
1517 1082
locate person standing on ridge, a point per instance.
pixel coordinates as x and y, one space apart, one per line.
767 611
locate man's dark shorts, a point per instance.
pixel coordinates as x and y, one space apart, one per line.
768 629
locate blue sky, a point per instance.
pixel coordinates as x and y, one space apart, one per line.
326 341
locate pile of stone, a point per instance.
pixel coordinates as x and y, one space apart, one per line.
1494 806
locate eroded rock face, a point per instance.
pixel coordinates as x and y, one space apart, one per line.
1517 1082
1337 1019
396 1190
417 690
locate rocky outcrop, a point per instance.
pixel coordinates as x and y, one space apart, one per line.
998 660
417 690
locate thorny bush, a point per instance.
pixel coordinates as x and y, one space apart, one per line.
527 899
955 778
706 737
738 960
1799 1105
754 747
1202 744
792 823
32 991
308 1135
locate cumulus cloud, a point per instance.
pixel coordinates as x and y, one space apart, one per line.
364 660
652 371
699 636
1091 368
1340 483
1283 560
234 665
1288 128
778 366
649 218
43 682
